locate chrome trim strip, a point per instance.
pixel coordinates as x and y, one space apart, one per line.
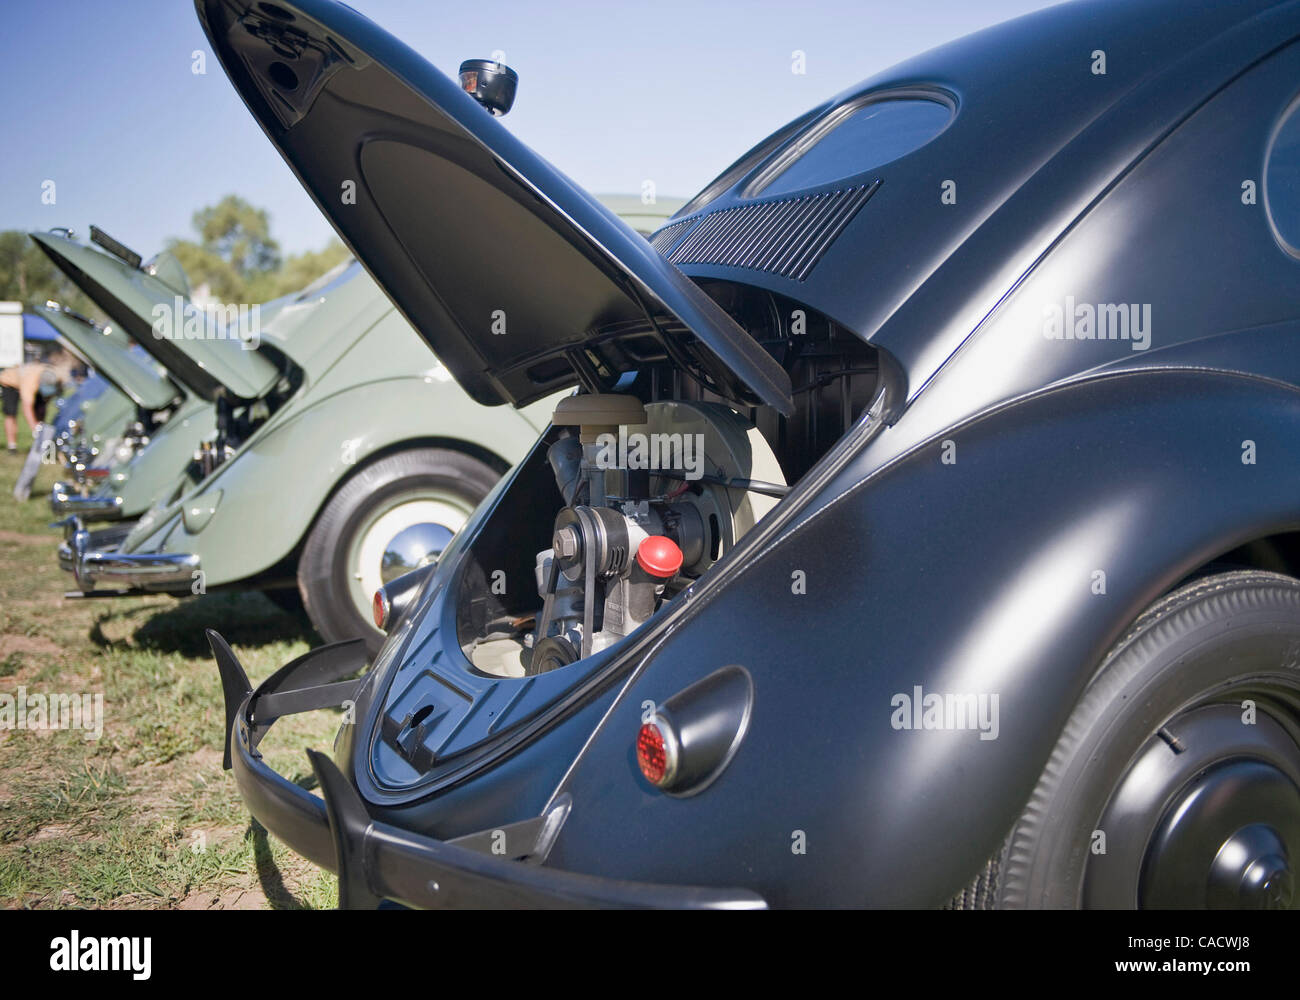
65 502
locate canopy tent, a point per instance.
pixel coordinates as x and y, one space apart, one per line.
38 328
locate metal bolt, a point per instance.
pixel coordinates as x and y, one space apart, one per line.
566 542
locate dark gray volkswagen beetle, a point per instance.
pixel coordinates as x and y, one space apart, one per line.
926 528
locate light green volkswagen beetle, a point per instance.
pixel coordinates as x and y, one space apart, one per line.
115 479
91 420
343 453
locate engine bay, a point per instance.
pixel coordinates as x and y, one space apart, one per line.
643 482
238 419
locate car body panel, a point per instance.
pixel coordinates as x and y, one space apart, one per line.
135 299
441 191
1008 209
152 471
156 473
102 410
107 350
899 817
1057 485
134 479
157 469
913 815
317 325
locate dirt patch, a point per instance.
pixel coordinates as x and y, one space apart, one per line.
34 645
199 899
50 832
21 538
231 899
206 757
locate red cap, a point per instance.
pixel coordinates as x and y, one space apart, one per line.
659 556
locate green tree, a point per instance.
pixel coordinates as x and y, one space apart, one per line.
204 266
234 248
30 277
300 270
238 259
240 234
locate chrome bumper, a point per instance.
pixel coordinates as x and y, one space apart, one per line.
107 539
67 562
64 499
160 571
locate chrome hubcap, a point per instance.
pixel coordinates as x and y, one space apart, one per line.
413 547
409 533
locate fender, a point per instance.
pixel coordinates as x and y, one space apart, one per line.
102 417
272 491
154 469
977 575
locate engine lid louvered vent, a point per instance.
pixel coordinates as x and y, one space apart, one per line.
786 237
663 238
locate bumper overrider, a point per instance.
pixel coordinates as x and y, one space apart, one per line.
92 557
64 499
377 861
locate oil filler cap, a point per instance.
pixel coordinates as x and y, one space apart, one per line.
659 556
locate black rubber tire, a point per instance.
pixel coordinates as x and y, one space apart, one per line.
323 574
1196 646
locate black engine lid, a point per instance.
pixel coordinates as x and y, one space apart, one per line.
506 267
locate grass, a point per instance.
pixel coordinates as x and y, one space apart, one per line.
143 816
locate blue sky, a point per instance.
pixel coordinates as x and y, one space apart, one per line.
100 96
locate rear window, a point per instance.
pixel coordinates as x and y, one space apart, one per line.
745 164
853 139
1282 182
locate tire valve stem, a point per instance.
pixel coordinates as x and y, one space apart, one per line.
1171 740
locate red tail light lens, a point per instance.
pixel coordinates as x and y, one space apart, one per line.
690 738
381 608
656 753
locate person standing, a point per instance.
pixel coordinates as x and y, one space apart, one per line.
26 385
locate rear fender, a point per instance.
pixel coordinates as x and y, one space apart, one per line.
1002 558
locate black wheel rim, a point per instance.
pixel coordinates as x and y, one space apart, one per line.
1207 815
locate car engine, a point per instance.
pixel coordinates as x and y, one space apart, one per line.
653 495
646 479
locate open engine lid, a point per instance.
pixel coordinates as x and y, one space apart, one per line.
192 351
506 267
108 351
